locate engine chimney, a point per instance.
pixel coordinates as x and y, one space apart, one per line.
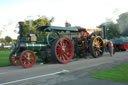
21 26
104 32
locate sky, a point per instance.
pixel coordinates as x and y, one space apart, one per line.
84 13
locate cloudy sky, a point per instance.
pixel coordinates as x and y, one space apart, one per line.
85 13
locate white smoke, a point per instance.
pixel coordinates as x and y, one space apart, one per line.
123 23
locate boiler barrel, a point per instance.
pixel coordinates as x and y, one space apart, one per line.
32 46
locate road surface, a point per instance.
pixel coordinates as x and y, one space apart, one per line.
73 73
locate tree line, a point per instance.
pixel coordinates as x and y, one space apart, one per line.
120 28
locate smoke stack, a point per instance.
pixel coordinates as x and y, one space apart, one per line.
104 32
21 26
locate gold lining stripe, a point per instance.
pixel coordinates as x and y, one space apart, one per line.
40 46
33 46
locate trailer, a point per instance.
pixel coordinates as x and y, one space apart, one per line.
121 43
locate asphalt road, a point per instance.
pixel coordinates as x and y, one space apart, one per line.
73 73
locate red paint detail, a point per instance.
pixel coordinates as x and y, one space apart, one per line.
15 60
64 50
85 34
28 59
123 46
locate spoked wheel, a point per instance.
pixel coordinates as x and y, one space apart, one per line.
27 59
96 47
51 37
14 59
62 50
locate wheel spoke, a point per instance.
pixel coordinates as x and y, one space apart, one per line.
66 57
63 58
61 43
59 46
24 57
96 53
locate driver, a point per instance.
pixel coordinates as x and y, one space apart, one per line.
84 33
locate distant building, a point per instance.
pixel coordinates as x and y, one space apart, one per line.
67 24
94 29
0 33
7 46
2 44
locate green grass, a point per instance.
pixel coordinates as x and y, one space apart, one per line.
119 74
4 58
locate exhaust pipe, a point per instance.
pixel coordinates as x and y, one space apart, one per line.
104 32
21 26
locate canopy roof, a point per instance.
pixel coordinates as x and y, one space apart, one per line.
58 28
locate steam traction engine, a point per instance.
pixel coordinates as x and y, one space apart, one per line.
54 43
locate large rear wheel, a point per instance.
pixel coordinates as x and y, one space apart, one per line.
96 47
27 59
62 50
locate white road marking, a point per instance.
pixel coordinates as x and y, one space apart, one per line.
3 73
51 74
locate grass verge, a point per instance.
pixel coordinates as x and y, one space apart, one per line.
119 74
4 58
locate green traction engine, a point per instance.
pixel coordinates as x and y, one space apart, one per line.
53 43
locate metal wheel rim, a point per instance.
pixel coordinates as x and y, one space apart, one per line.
14 60
98 46
64 50
28 59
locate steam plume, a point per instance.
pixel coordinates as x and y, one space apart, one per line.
123 23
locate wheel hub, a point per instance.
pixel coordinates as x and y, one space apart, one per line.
28 58
63 48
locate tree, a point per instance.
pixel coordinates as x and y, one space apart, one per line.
119 29
8 39
112 31
2 40
36 23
